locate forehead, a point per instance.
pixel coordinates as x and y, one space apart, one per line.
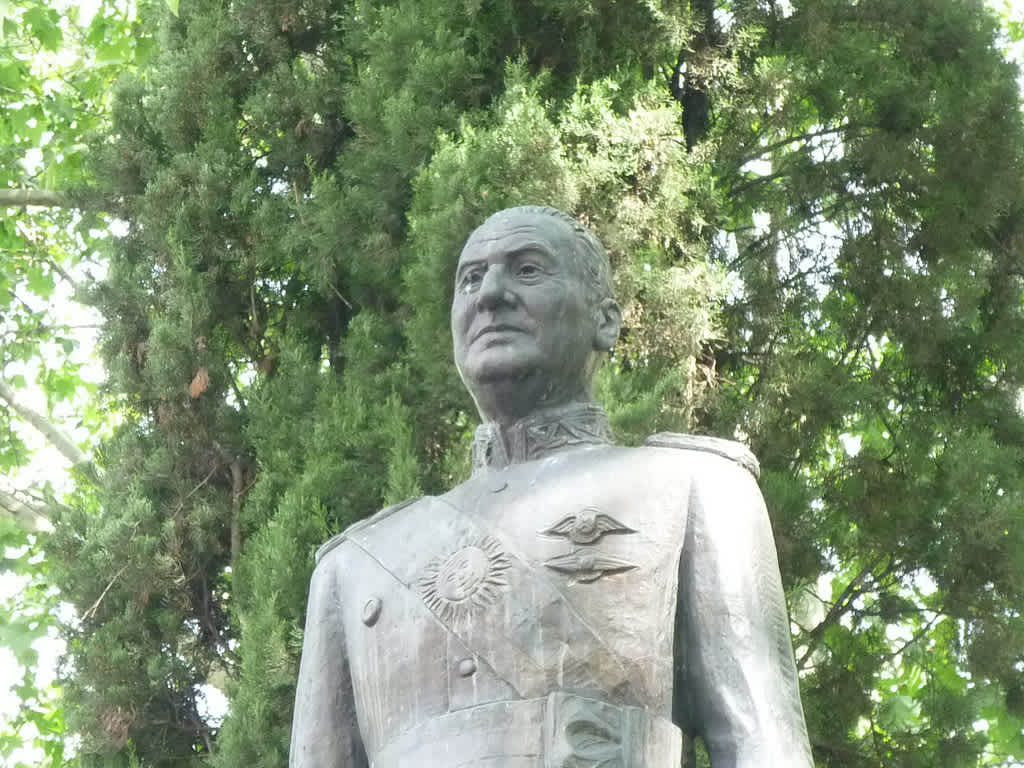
517 231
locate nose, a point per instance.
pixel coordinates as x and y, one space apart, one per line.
493 289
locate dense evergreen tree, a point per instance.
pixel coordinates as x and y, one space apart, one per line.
814 215
58 62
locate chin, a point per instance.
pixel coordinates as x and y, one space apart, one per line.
498 374
496 364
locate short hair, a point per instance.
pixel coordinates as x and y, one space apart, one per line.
589 256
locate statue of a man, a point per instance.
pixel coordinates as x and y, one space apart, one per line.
574 603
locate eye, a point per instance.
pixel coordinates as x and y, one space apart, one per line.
471 280
529 271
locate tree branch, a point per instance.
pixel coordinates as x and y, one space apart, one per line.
853 590
766 149
237 494
96 606
43 255
64 274
45 198
46 428
190 494
28 516
53 198
913 639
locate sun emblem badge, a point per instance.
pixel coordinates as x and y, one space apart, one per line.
472 576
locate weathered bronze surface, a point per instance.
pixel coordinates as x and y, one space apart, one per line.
574 603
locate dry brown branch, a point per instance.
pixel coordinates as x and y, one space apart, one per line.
96 606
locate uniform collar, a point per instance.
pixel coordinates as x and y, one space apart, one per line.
540 435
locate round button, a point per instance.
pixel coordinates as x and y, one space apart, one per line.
371 611
467 667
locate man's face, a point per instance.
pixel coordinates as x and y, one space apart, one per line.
520 308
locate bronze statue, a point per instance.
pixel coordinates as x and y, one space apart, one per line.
574 603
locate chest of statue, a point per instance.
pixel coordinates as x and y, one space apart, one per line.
554 575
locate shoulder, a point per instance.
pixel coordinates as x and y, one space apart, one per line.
734 452
333 543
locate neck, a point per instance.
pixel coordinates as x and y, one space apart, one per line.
512 399
543 432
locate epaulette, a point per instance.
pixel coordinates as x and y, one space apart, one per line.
728 449
334 541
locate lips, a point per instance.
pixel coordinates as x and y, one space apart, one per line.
497 328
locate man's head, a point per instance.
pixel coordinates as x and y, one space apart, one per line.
533 311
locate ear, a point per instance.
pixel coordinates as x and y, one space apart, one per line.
609 323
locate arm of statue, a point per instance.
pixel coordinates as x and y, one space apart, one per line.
737 664
325 733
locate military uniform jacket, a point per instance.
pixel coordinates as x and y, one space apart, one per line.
564 610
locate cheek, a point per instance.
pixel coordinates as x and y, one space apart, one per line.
571 325
461 324
460 316
564 308
549 303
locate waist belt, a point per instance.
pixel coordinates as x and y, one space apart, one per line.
561 730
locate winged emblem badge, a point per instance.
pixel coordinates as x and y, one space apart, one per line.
587 566
585 528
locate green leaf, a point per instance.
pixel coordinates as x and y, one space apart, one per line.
144 48
61 385
28 122
44 25
899 714
97 30
10 239
18 636
114 53
12 73
39 281
173 5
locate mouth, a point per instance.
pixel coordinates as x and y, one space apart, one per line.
497 328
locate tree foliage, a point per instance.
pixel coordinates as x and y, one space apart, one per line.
814 216
57 63
878 376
